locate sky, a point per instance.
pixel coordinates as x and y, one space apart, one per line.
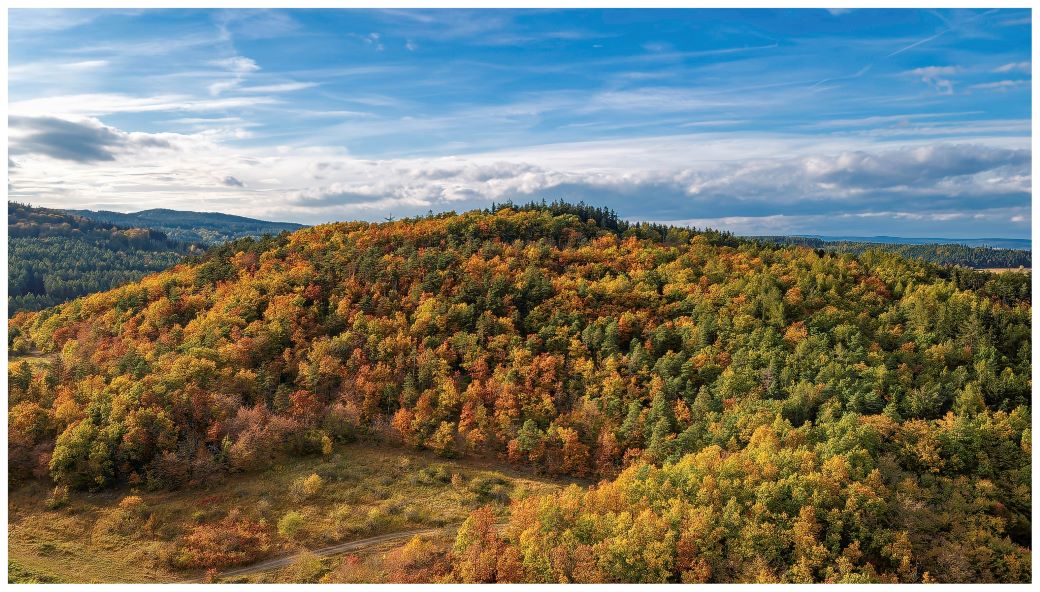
831 122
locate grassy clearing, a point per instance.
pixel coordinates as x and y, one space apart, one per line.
361 490
358 567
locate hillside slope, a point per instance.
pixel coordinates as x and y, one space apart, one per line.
54 256
837 418
204 227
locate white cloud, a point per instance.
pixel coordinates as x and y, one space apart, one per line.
48 19
373 40
1014 67
887 119
224 85
86 65
237 64
97 104
935 76
34 70
1000 85
279 88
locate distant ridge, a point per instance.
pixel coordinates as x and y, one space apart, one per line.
206 227
994 243
55 256
980 253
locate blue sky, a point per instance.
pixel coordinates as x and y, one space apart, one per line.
853 122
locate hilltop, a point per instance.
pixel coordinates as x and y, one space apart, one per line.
754 411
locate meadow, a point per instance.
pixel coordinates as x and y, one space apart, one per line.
363 490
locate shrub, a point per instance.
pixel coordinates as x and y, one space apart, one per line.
432 475
131 511
418 561
232 541
305 569
490 489
351 570
415 514
440 473
168 471
132 504
59 497
342 421
376 520
126 519
312 485
290 524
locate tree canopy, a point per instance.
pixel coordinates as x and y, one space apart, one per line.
54 257
755 412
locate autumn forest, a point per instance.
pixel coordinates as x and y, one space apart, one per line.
659 404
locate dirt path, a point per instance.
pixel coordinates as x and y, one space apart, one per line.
355 545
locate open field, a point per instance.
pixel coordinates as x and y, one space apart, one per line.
367 490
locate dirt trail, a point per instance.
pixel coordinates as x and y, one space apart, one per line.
355 545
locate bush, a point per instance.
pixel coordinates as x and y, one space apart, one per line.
131 511
168 471
490 489
352 570
418 561
312 485
290 524
416 514
59 498
132 505
305 569
232 541
432 475
376 520
440 473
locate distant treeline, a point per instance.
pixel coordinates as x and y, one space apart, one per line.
942 254
54 256
209 228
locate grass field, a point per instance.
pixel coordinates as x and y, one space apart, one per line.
365 489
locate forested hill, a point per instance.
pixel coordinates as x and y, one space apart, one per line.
757 413
202 227
978 257
54 256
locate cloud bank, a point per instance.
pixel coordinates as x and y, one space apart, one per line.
920 181
83 141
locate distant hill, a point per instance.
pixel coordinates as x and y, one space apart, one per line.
983 253
203 227
996 243
54 256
